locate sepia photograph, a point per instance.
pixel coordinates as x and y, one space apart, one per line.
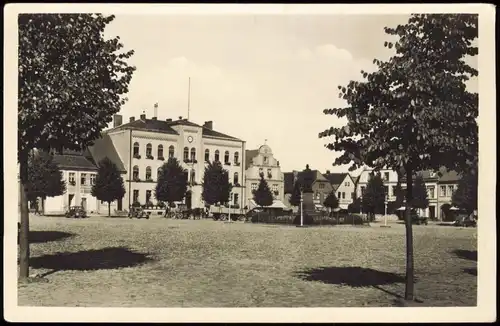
249 156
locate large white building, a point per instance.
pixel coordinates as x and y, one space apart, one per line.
144 145
262 161
389 177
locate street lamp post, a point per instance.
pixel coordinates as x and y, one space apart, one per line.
301 208
230 200
385 211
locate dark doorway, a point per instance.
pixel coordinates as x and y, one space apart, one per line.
120 204
70 199
432 212
188 199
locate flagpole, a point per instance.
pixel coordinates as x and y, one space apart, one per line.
189 95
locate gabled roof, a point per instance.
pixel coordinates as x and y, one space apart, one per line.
163 126
212 133
149 125
429 175
336 178
104 147
249 155
74 161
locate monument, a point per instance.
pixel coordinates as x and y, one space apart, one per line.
307 179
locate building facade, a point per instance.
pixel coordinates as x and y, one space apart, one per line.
440 189
262 161
79 173
389 178
344 187
321 187
144 145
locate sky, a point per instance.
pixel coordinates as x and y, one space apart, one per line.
257 77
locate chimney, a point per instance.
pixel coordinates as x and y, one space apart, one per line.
154 118
169 120
143 116
117 120
180 117
132 119
327 172
209 125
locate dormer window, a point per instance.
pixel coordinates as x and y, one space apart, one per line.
266 160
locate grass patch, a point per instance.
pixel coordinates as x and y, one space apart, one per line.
204 263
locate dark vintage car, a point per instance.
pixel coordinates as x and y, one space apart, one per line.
76 212
138 212
464 220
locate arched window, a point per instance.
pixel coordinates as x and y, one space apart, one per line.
136 148
236 157
135 173
158 173
235 178
216 158
171 151
160 151
148 173
186 153
193 177
193 154
149 150
226 157
207 155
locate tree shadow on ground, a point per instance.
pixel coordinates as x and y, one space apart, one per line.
353 277
471 271
90 260
47 236
466 254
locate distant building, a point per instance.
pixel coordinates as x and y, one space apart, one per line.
79 169
389 178
144 145
440 189
344 187
262 161
321 186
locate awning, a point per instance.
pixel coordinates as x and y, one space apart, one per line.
343 206
318 206
276 204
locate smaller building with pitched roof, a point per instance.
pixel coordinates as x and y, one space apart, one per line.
344 187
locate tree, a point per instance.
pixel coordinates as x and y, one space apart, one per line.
216 186
331 201
172 182
296 194
414 111
44 177
373 200
262 195
71 82
108 185
420 199
465 196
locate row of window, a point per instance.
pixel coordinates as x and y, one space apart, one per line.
149 196
274 188
191 175
189 154
85 179
444 191
269 172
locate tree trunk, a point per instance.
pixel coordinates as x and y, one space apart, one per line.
24 246
43 206
409 288
109 209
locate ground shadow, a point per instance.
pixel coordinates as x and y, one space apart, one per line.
466 254
471 271
352 277
47 236
444 224
105 258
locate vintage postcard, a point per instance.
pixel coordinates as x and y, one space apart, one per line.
235 162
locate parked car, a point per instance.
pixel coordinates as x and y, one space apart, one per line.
138 212
76 212
464 220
